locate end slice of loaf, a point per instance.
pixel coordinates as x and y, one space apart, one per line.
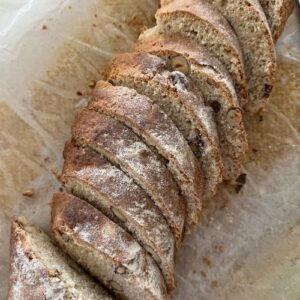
199 21
277 13
39 271
150 123
149 75
93 178
124 148
104 249
250 24
211 78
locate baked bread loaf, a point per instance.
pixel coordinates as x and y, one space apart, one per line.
39 271
277 13
123 148
199 21
251 27
104 249
152 125
209 76
149 76
134 180
93 178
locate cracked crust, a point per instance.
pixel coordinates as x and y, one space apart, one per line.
171 91
209 75
123 148
150 123
93 178
111 254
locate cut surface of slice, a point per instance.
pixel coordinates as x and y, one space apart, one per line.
149 75
251 27
211 78
105 250
39 271
277 13
123 148
93 178
150 123
199 21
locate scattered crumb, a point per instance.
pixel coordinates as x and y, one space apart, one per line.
261 118
254 150
95 15
218 248
94 25
214 284
28 193
46 159
70 7
225 204
203 274
44 27
207 261
240 182
79 93
92 84
57 174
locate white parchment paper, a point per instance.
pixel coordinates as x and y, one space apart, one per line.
248 245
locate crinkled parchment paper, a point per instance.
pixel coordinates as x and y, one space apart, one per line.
248 245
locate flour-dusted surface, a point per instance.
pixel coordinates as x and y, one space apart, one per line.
123 260
250 249
106 184
39 271
124 148
150 123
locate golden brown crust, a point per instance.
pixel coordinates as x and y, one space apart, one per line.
149 122
88 228
121 146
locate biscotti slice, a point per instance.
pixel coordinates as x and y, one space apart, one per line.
210 77
104 249
93 178
251 27
125 149
199 21
277 13
151 124
40 271
149 75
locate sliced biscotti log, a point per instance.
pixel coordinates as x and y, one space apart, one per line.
93 178
277 13
149 75
150 123
210 77
250 24
40 271
106 250
198 20
124 148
